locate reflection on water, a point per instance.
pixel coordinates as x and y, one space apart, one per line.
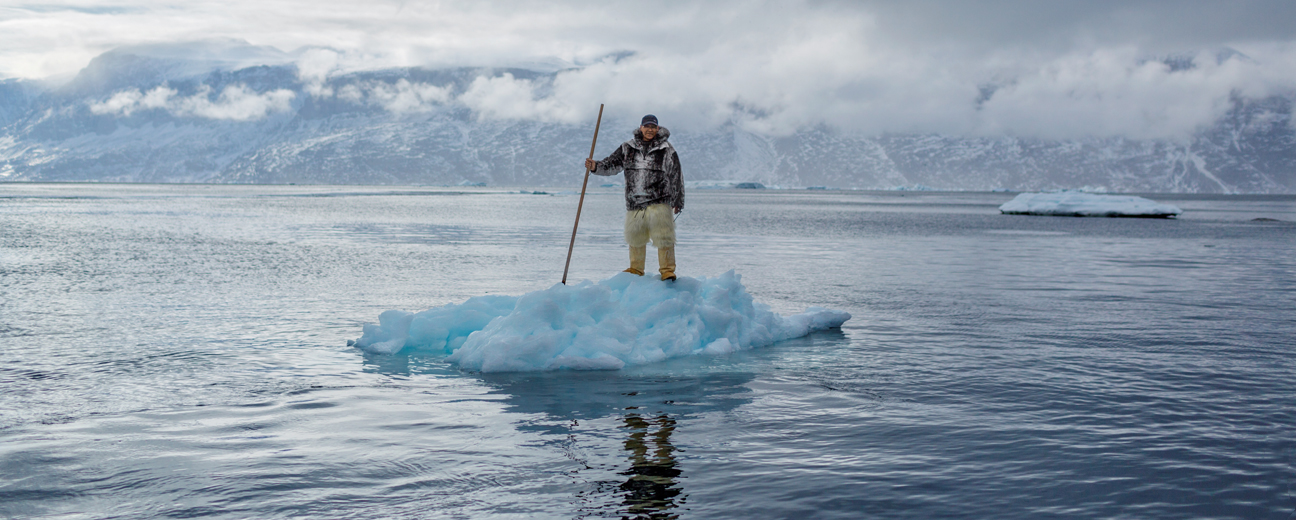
652 487
620 432
392 365
646 407
565 395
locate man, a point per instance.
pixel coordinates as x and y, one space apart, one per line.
654 192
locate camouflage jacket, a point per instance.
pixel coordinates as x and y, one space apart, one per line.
652 171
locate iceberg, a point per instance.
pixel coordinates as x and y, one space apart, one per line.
1080 204
621 321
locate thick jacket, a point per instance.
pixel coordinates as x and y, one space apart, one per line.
652 171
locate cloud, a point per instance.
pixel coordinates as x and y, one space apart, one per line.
315 67
824 72
400 97
506 97
994 67
1113 92
235 103
1155 26
405 96
128 102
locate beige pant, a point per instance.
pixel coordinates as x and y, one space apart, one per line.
656 222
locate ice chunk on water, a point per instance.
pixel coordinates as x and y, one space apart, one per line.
1080 204
624 320
443 329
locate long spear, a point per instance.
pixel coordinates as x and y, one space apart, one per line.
581 204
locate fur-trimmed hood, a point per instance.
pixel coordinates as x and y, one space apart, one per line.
663 134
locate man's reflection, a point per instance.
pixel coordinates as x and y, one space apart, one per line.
571 406
651 488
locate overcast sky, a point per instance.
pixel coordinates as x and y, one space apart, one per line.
1021 67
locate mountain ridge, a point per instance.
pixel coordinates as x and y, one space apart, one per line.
142 118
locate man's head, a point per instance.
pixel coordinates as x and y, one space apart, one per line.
648 127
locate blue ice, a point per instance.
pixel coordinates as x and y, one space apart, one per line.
607 325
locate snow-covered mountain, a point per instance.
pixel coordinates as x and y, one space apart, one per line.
194 114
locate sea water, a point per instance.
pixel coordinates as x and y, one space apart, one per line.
181 351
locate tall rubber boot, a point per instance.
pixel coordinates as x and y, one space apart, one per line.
666 261
638 255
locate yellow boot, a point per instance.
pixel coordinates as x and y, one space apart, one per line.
666 261
638 255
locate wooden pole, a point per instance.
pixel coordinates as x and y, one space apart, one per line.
581 204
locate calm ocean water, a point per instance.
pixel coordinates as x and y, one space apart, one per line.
180 352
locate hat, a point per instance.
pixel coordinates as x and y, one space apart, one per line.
649 120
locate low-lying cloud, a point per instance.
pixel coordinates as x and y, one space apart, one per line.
506 97
1102 93
235 103
316 67
400 97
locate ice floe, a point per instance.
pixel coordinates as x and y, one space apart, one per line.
623 320
1080 204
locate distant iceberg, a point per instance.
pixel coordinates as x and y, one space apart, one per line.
1080 204
621 321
